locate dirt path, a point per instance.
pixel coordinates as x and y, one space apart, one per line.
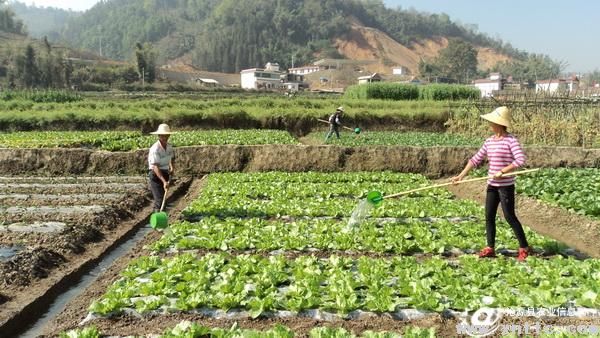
577 231
444 327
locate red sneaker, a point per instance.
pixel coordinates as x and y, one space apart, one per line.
523 253
487 252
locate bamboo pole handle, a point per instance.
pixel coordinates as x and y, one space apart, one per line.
341 126
459 182
164 200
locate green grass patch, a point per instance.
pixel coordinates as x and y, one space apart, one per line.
131 140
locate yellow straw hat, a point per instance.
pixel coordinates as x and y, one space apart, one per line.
340 108
500 115
163 129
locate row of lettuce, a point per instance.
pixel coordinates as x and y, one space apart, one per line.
192 330
132 140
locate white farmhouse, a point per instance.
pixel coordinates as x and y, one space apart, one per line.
551 86
561 85
375 77
400 70
487 87
304 70
258 78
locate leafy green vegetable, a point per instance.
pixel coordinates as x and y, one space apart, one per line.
86 332
574 189
131 140
394 138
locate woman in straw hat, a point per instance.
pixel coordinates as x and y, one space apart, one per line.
504 154
160 164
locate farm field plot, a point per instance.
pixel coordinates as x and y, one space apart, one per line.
394 138
276 247
132 140
47 222
574 189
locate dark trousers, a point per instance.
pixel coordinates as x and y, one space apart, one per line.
505 196
157 187
333 128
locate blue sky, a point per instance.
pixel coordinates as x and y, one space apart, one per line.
76 5
564 30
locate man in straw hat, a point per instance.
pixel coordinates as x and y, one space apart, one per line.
504 154
335 122
160 164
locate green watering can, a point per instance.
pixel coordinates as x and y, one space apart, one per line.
160 220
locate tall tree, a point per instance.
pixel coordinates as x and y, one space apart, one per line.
30 72
146 61
8 22
140 59
458 60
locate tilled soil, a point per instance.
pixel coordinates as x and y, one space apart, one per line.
69 188
36 200
72 179
76 310
124 326
444 327
50 261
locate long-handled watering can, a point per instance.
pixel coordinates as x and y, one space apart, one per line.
160 220
376 198
356 130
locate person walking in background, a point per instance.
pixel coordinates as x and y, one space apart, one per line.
160 164
335 122
504 154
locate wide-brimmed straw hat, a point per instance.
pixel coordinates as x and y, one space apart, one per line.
340 108
163 129
500 115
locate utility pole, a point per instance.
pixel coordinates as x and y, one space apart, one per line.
143 73
100 31
292 60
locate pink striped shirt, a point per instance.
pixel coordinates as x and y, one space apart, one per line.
500 152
